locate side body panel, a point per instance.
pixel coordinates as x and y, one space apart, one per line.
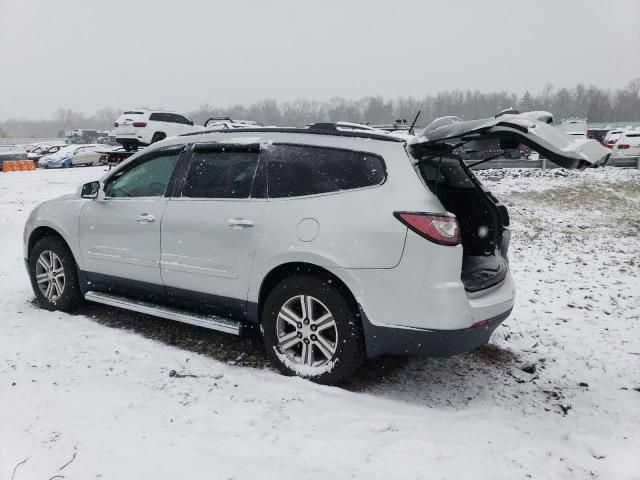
203 251
350 230
116 240
60 215
425 291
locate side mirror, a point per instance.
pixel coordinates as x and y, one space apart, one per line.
90 190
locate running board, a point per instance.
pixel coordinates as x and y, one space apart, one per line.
184 316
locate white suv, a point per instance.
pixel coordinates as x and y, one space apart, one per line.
627 145
337 244
144 127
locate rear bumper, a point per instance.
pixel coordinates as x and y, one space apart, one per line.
431 343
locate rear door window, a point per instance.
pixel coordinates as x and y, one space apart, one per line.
160 117
180 119
221 173
297 170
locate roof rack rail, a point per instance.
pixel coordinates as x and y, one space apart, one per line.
323 126
308 131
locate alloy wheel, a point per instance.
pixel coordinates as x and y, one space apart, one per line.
50 275
307 332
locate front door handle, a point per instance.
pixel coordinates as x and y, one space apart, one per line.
239 223
145 218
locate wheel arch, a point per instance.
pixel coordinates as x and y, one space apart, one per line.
160 134
290 269
41 232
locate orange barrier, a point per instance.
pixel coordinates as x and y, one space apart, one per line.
17 165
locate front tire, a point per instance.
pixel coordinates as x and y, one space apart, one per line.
54 276
311 330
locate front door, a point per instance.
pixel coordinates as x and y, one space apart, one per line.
120 231
210 230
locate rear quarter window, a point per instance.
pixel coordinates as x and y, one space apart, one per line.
300 170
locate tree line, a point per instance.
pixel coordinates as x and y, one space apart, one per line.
595 104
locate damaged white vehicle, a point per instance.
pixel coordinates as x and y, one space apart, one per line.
336 244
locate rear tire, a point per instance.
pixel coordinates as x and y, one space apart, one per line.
311 330
158 136
54 275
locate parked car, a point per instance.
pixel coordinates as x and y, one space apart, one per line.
83 136
113 155
11 152
72 156
144 127
40 151
597 133
612 137
627 145
576 127
223 123
336 244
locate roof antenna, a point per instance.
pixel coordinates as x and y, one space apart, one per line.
413 124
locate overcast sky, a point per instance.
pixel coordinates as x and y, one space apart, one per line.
86 54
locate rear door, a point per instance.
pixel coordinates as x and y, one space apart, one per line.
211 226
181 124
120 231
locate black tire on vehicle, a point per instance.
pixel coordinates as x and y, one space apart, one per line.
54 275
326 345
158 136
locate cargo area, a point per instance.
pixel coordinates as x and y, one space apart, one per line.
482 218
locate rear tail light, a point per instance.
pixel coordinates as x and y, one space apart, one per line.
610 143
139 124
438 228
115 124
622 147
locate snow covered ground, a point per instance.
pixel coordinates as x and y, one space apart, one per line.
93 395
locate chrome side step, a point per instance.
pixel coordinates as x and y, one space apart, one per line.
184 316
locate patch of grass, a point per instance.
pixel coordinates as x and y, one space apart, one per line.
495 355
595 194
619 201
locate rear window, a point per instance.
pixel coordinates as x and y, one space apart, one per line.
131 112
169 117
630 135
221 174
295 171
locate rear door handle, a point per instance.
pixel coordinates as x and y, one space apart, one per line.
240 223
145 218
